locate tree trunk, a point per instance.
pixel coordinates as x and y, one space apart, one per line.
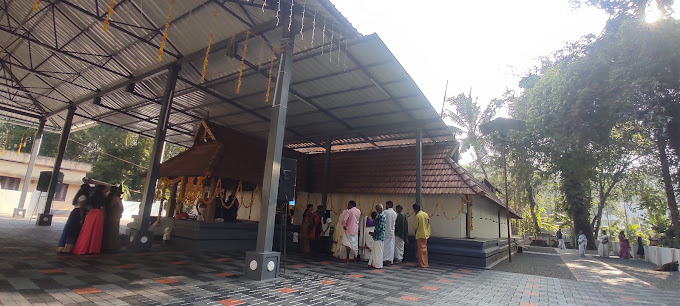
575 195
604 195
532 209
668 184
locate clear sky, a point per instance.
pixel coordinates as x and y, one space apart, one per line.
483 45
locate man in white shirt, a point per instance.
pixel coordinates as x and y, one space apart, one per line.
390 219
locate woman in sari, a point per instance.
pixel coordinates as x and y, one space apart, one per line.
338 233
114 210
582 243
74 221
623 246
640 248
603 248
90 238
306 228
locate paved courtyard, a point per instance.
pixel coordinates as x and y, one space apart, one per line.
32 273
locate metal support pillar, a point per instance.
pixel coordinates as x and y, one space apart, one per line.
45 218
143 238
507 208
326 169
419 168
262 263
20 211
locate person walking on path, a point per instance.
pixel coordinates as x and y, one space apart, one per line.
422 230
350 239
114 211
390 220
624 246
582 243
560 239
75 220
400 234
640 248
90 238
376 259
603 248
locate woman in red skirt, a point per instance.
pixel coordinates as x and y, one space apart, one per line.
90 238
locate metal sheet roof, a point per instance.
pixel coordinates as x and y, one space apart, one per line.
344 85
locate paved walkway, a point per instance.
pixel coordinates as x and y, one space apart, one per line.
30 272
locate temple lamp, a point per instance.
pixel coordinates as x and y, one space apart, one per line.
501 127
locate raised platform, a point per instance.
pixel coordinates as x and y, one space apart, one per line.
483 253
216 236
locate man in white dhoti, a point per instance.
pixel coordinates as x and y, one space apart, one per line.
400 234
560 239
350 239
603 248
390 219
582 243
376 259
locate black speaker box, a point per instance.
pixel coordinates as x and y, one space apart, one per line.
287 179
44 180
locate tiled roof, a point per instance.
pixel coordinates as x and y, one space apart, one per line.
393 171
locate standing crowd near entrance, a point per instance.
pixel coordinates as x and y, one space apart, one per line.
93 225
383 235
603 247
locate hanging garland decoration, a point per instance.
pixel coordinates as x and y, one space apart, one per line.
278 11
330 48
160 212
323 36
462 204
35 6
243 63
269 79
108 15
165 30
211 197
4 144
21 142
344 61
210 41
313 29
252 201
186 192
339 53
290 20
302 26
239 188
182 191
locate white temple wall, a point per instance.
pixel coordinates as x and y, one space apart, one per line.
485 219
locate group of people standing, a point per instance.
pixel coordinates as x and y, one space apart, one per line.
94 222
315 229
603 247
624 246
390 235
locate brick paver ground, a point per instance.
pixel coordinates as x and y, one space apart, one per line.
32 273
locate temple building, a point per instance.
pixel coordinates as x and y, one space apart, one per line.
468 220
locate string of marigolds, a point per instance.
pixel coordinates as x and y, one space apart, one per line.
165 30
112 4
